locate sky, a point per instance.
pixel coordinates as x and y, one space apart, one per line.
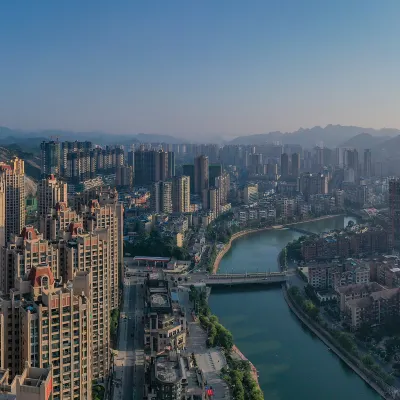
195 68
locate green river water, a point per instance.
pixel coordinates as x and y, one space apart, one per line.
292 362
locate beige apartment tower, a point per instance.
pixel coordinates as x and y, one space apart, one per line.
50 192
105 218
57 220
24 252
12 176
55 333
181 194
90 252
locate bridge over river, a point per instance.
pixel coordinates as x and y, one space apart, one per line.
299 230
261 278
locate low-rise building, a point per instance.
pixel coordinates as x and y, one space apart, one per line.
356 291
165 321
374 309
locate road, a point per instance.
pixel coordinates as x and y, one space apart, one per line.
129 360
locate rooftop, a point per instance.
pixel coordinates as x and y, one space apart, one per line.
360 287
167 370
159 300
367 301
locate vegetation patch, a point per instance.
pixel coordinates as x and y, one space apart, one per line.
98 392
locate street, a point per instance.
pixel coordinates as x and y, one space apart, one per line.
129 357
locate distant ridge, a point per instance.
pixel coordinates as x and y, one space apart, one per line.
330 136
364 141
11 136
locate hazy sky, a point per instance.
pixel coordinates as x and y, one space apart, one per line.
195 67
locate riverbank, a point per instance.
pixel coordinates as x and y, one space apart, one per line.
237 235
254 372
328 341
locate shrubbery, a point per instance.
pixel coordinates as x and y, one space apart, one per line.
242 384
307 305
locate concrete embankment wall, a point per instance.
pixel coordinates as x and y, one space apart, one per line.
328 342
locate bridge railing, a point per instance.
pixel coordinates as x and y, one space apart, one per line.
246 276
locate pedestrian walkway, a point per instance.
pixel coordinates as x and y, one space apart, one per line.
209 360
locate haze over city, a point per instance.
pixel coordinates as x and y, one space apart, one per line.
199 200
224 68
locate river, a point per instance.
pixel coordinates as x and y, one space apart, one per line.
292 362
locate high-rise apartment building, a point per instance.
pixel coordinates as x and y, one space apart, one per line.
124 177
285 165
2 214
394 208
214 171
57 220
255 163
50 157
24 252
296 165
47 325
313 184
223 183
153 166
188 170
181 194
272 170
12 176
367 163
201 178
96 216
212 200
90 252
56 332
50 192
351 162
161 197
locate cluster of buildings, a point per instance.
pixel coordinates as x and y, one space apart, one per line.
78 162
366 291
356 241
170 369
59 282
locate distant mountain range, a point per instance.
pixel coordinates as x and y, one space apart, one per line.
34 138
364 141
330 136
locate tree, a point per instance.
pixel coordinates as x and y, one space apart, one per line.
346 341
368 361
311 310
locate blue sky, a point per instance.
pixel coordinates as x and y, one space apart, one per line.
199 67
